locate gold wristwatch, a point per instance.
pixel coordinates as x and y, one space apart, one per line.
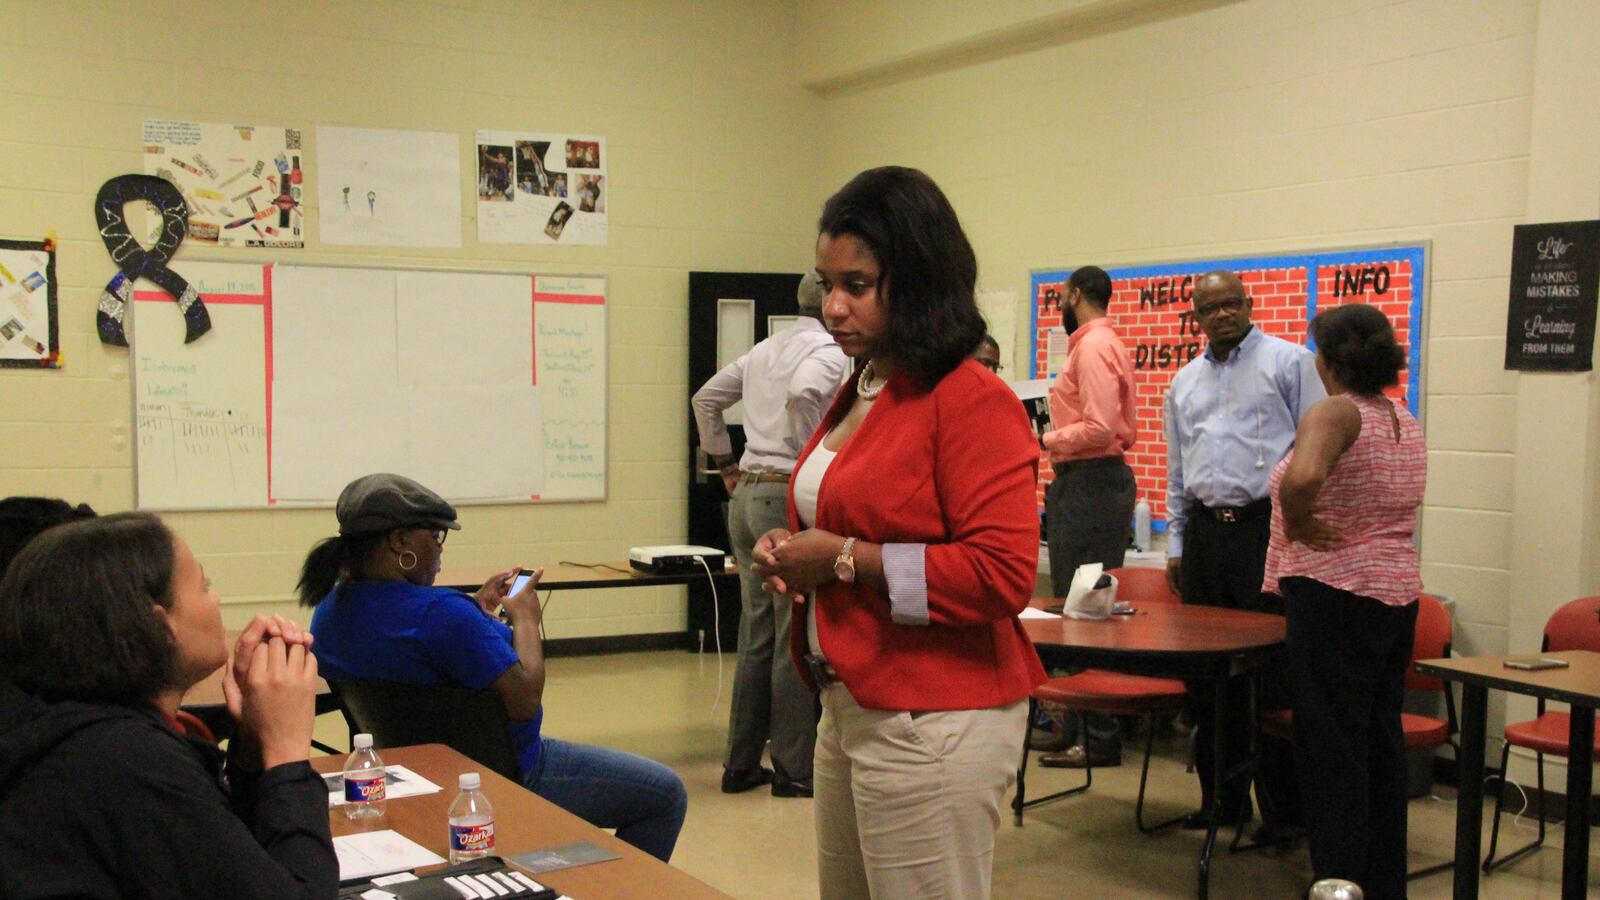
844 568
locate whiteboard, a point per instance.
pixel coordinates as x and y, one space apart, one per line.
486 387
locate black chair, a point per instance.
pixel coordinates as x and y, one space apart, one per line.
473 723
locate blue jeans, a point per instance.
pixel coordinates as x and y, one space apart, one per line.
641 798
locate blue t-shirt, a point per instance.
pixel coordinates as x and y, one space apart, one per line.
400 632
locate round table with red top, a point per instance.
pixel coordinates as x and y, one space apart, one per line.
1166 640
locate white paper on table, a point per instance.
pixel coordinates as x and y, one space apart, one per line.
383 187
379 853
1033 612
402 782
1084 600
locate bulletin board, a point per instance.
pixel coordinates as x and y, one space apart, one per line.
1153 310
486 387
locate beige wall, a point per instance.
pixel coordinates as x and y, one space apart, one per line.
702 112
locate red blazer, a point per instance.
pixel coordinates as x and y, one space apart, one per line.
954 468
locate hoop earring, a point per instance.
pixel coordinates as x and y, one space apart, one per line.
402 559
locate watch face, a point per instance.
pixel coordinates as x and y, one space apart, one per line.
844 571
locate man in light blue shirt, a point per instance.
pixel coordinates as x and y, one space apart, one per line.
1230 416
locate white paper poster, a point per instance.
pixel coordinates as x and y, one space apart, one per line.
381 187
541 188
242 183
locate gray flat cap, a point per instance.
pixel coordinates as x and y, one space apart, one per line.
383 501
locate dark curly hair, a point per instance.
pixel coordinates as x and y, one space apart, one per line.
928 269
77 612
1356 343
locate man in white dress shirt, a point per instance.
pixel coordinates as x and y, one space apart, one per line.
786 383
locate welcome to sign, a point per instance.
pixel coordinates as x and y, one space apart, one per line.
1152 305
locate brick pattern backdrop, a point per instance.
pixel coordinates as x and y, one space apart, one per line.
1153 310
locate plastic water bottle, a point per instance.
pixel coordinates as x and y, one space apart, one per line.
1141 524
365 785
471 822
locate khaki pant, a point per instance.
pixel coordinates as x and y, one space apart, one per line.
907 804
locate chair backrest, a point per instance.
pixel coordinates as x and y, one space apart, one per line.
1431 640
473 723
1141 584
1575 626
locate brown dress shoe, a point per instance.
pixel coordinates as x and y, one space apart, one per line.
1077 757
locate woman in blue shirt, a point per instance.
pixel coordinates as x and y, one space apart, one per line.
379 617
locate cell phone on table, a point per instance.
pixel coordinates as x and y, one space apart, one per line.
1534 665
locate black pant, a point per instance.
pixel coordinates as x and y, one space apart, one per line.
1088 510
1223 564
1349 656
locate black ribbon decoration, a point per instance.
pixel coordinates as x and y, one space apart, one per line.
136 262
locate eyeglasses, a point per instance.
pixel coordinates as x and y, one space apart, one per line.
1229 305
992 364
439 534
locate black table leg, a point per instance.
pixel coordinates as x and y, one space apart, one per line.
1575 856
1469 799
1219 694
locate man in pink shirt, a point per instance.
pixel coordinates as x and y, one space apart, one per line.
1089 505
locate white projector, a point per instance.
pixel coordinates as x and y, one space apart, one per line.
675 559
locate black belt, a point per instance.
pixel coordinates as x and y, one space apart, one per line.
1233 514
1091 463
822 673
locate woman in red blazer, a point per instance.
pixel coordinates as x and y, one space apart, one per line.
913 526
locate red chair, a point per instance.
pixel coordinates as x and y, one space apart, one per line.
1575 626
1114 693
1431 640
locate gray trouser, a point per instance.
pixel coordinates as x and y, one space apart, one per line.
769 699
1088 510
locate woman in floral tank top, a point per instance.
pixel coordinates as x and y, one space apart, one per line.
1343 554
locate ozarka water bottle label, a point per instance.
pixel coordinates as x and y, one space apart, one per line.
364 790
472 837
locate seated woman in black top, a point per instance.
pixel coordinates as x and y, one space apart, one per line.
104 624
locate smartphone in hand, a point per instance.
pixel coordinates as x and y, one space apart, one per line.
519 581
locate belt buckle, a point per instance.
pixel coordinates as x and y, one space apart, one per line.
1228 514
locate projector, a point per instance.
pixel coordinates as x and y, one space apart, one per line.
675 559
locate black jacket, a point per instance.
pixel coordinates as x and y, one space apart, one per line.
112 801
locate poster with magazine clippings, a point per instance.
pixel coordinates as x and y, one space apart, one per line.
242 183
29 329
541 188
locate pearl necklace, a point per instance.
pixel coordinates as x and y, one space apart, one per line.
865 389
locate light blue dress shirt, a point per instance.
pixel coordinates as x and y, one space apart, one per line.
1229 421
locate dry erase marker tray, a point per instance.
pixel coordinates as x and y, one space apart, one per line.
488 877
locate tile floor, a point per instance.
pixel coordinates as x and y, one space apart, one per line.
756 846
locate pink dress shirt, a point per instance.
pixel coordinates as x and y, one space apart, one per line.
1091 403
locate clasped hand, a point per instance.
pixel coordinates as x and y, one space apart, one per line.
796 564
270 687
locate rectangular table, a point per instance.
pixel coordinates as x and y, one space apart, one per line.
569 576
523 822
1577 685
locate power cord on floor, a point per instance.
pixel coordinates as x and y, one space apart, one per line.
716 628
